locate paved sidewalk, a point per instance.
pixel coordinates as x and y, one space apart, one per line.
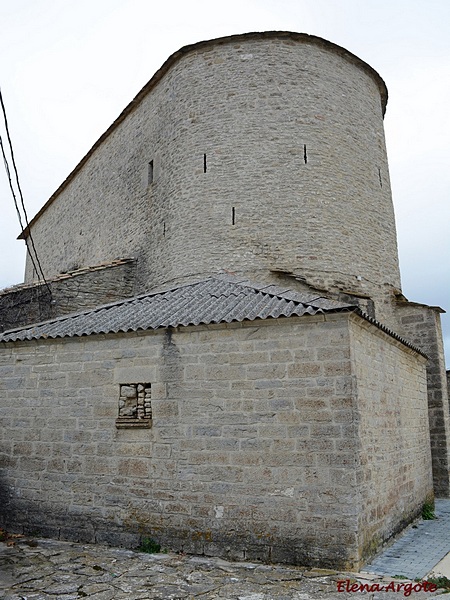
418 550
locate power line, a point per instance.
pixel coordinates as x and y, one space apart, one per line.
38 267
8 173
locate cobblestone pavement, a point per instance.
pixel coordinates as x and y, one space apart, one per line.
38 569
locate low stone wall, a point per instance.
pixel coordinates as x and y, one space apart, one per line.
71 292
255 445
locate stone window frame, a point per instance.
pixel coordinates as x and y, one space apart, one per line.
135 408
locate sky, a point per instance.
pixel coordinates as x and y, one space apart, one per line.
69 67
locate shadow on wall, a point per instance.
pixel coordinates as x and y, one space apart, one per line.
5 504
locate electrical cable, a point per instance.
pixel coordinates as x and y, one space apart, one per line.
38 269
8 174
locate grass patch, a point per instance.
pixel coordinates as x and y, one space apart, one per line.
149 546
442 582
428 511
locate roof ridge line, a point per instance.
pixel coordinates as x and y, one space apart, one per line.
279 294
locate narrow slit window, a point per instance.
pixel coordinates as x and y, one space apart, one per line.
305 155
233 215
204 163
150 173
379 177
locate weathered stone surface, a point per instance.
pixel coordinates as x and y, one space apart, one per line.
422 326
128 391
71 292
288 441
319 468
67 571
291 129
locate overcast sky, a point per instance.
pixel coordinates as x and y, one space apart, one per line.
69 67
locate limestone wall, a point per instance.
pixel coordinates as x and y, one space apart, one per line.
259 446
421 325
392 421
79 290
253 153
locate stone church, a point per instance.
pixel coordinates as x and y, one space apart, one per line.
222 358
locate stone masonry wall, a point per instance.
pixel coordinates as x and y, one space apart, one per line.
71 292
448 382
392 421
422 326
252 453
256 153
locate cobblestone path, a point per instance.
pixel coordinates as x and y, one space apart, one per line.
38 569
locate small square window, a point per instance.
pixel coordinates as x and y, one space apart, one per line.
135 405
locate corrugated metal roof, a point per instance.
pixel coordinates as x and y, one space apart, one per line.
220 299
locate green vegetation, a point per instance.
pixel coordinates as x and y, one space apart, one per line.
428 511
149 546
442 582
